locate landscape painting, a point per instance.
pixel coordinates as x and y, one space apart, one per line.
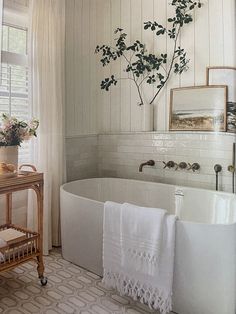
198 108
225 76
231 116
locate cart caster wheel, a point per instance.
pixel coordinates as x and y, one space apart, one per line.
44 281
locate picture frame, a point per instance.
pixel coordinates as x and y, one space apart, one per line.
198 108
227 76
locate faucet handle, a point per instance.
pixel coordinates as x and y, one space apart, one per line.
217 168
231 169
170 164
182 165
195 166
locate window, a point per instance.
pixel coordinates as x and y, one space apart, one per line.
14 79
14 91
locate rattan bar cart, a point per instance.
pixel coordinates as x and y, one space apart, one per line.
31 248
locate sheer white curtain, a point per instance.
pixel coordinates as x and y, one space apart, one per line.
47 46
1 14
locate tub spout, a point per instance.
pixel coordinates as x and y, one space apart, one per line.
147 163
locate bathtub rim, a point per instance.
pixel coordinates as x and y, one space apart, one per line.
163 184
144 181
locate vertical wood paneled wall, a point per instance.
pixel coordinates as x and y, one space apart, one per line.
209 41
18 3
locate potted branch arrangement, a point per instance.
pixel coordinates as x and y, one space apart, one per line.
12 133
143 67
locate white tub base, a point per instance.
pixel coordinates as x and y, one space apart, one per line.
205 261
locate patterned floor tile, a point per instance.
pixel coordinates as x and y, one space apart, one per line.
70 290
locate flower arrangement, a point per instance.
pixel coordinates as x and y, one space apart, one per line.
13 131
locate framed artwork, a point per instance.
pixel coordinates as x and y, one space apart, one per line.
225 76
198 108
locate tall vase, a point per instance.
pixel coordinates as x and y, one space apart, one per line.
147 117
9 155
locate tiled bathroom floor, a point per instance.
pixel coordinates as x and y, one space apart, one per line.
70 289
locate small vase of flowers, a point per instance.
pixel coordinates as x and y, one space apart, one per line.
13 132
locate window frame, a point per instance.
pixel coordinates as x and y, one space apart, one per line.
12 57
17 17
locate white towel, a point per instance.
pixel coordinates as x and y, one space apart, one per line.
138 253
111 236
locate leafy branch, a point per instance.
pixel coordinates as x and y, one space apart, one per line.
143 67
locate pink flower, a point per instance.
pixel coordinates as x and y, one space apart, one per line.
14 131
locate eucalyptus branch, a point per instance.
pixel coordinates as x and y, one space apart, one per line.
145 77
143 67
170 68
125 78
134 79
132 56
164 68
127 60
139 91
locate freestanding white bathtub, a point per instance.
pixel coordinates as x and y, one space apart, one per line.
205 259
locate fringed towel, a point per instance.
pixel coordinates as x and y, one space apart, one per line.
138 253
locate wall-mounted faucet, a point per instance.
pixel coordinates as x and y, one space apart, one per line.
218 169
147 163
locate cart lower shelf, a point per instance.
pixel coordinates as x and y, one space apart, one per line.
20 251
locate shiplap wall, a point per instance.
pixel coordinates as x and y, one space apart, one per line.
209 41
22 2
18 3
81 67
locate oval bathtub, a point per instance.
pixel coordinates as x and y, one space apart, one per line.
205 259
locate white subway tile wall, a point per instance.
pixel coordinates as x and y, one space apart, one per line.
82 157
120 154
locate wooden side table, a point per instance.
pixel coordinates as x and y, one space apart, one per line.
31 248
